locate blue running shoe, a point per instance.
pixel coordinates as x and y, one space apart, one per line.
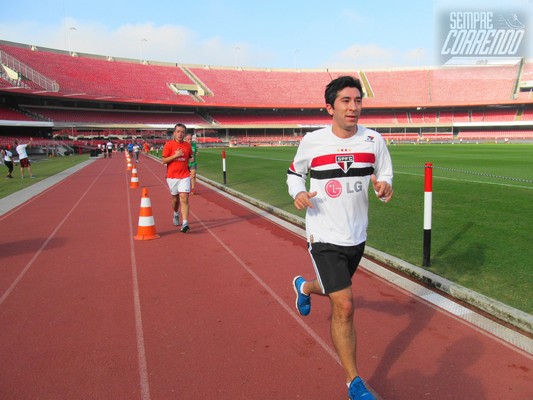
358 390
303 302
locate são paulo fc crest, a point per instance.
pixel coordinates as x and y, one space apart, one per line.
333 188
344 162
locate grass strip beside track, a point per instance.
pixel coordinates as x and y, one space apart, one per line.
482 207
42 168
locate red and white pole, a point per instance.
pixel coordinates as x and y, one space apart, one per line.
224 165
428 194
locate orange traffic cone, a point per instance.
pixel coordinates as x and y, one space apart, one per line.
129 165
146 230
134 183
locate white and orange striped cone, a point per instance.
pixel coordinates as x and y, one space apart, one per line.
146 229
134 182
129 165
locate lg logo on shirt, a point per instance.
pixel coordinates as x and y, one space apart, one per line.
333 188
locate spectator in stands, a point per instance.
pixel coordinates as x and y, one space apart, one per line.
176 156
109 146
193 164
341 160
24 161
7 157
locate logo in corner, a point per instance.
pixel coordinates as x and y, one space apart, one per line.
333 188
483 37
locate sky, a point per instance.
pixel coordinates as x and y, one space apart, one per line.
305 34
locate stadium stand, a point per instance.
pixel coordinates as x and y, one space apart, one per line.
45 91
99 78
499 115
113 117
527 114
473 85
398 87
476 116
295 119
4 82
264 88
8 114
378 118
526 82
492 135
402 117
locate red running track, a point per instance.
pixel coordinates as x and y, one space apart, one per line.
87 312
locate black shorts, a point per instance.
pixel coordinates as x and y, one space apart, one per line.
9 165
335 265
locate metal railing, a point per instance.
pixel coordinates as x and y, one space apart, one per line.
28 72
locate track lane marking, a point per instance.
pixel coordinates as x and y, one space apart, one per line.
139 330
48 239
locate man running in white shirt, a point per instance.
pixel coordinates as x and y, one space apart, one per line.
342 160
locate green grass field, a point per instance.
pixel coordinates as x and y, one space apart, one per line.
42 168
482 226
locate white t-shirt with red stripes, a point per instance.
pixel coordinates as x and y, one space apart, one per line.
339 172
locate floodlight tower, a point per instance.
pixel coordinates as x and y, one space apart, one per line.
143 40
71 29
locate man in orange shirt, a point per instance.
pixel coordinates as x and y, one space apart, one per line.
176 156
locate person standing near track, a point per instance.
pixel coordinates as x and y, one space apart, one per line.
7 157
177 154
193 165
342 160
24 161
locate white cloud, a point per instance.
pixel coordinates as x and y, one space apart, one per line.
167 43
358 56
374 56
164 43
179 44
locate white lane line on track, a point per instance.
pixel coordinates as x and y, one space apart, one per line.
271 292
139 332
506 336
289 309
290 227
50 237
